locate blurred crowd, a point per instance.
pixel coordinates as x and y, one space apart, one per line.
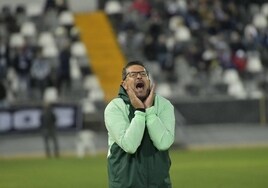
199 47
40 51
194 48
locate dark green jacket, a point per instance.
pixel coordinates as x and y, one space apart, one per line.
138 143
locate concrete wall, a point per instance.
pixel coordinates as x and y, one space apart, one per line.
75 5
14 3
223 111
83 5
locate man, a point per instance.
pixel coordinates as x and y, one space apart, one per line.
48 121
141 129
3 94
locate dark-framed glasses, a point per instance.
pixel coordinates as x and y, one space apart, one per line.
135 74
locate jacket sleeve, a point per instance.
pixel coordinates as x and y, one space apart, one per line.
161 125
127 135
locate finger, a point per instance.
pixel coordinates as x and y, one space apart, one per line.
152 92
153 88
130 91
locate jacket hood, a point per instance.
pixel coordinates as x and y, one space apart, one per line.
123 94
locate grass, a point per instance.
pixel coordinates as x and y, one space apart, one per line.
218 168
233 168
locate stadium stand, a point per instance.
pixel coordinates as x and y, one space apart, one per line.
203 50
165 34
212 38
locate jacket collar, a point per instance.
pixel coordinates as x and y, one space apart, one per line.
123 94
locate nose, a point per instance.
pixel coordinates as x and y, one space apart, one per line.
139 75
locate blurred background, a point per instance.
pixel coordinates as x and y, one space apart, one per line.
208 57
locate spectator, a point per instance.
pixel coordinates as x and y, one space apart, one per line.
64 77
40 73
3 95
4 60
239 60
142 6
22 65
59 5
162 52
49 131
113 9
10 20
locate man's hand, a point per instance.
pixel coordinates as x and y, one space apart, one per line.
150 99
135 101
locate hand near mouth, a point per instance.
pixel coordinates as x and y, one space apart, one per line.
150 99
135 101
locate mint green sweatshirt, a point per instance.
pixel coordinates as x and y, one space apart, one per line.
138 143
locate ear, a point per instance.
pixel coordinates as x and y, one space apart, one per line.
123 83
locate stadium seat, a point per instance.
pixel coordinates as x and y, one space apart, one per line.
254 64
76 75
235 85
16 40
96 95
231 76
88 106
51 94
264 9
85 142
50 52
113 7
259 21
28 29
175 22
78 49
91 82
46 39
34 9
79 54
164 90
13 80
182 34
66 18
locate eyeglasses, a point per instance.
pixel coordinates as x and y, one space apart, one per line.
135 74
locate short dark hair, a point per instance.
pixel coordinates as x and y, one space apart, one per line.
129 64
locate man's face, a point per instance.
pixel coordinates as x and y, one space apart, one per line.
137 79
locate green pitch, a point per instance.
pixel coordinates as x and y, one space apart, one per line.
228 168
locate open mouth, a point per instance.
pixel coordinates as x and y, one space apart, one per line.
140 86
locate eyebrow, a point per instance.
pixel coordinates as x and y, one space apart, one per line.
135 71
127 73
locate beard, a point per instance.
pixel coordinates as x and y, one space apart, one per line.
143 98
